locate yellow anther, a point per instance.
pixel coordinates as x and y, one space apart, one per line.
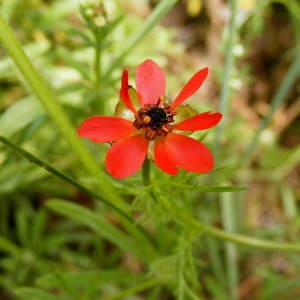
165 129
161 99
146 120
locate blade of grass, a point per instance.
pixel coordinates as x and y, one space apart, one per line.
7 245
158 13
35 293
216 260
100 225
229 223
289 201
209 189
287 165
55 111
236 238
227 210
229 64
150 283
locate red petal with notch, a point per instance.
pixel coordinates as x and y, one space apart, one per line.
188 153
150 82
124 94
191 87
162 159
199 122
126 157
103 129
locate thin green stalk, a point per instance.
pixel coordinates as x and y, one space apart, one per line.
215 260
135 289
228 206
287 165
229 64
236 238
132 42
68 288
55 110
146 172
289 201
226 209
97 66
129 223
280 95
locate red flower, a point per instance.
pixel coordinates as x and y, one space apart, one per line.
154 123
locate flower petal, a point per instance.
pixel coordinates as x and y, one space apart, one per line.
188 153
150 82
124 93
191 87
104 129
126 157
162 159
199 122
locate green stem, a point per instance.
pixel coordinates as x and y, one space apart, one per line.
129 223
135 289
158 13
55 110
228 206
146 172
97 66
236 238
229 64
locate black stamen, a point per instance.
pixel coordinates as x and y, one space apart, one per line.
158 117
155 119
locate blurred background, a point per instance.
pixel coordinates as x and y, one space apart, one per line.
52 251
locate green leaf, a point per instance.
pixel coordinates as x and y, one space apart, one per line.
83 279
184 112
19 116
34 50
98 224
8 246
209 189
29 293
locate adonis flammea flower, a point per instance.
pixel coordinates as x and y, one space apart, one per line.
153 124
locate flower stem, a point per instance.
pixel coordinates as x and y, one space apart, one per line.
146 171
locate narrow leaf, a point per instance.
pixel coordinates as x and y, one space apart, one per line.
98 224
209 189
28 293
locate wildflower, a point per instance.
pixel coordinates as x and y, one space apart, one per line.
155 126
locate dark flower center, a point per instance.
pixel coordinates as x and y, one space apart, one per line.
158 117
155 119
